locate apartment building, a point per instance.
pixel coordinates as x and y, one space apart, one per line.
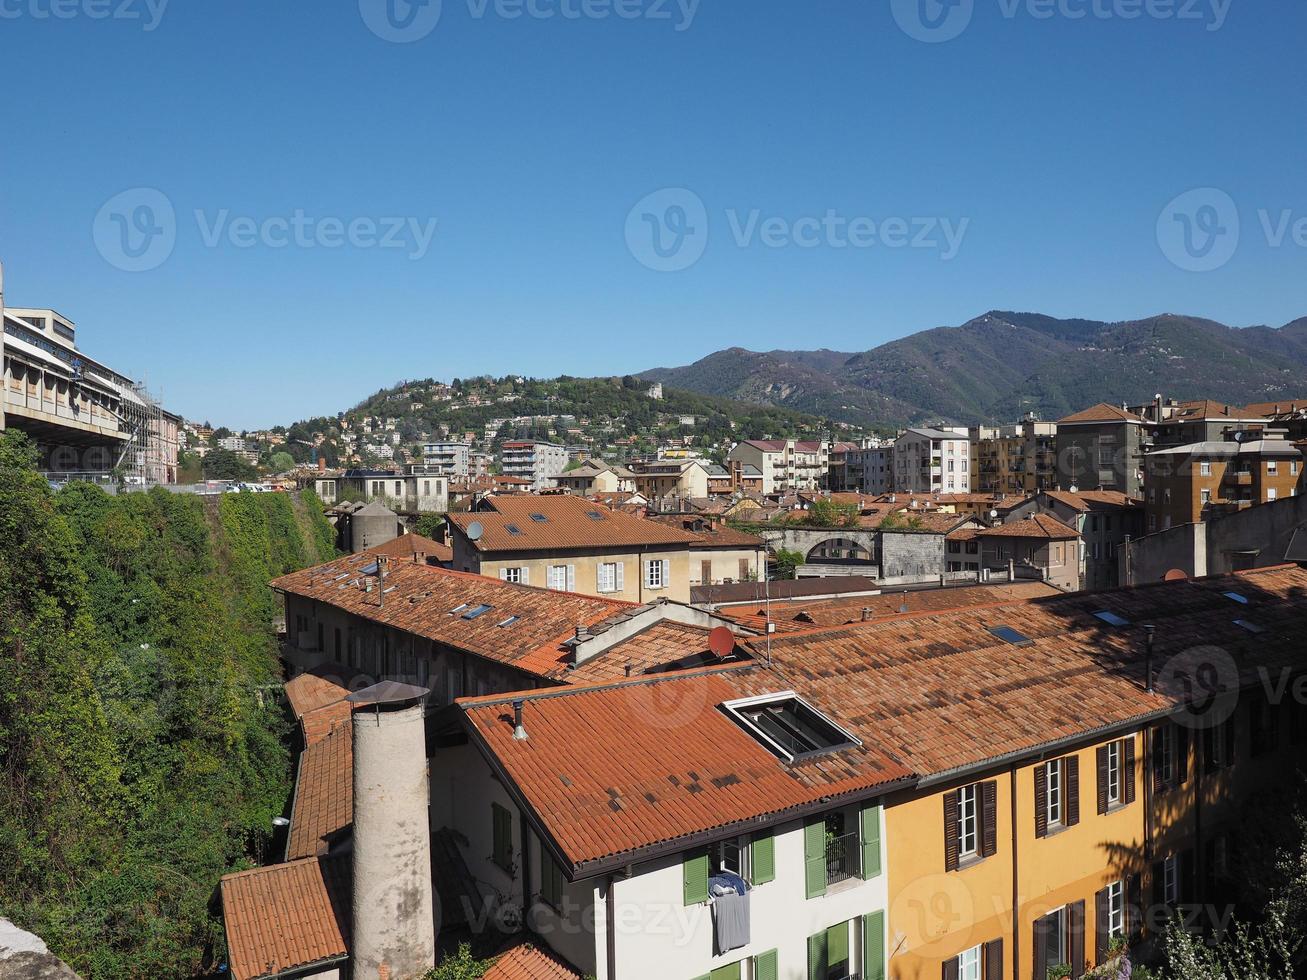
932 461
811 815
657 479
539 463
449 459
722 555
874 467
404 493
595 476
1014 459
568 543
1191 483
1040 546
1102 448
1105 519
785 464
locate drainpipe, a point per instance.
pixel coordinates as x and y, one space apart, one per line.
610 923
1016 885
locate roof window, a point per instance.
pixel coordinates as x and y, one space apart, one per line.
789 726
477 611
1009 635
507 622
594 515
1111 618
514 530
1249 625
540 518
1237 597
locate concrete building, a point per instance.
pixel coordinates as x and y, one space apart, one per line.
450 459
785 464
1102 448
595 476
1014 459
86 419
539 463
874 469
664 479
569 544
1195 482
722 555
932 461
1106 519
404 493
1040 546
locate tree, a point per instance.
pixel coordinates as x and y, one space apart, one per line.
787 561
429 525
223 464
281 462
460 966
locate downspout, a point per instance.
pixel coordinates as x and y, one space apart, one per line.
526 873
1016 888
610 925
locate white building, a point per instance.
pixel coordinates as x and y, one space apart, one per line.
233 444
452 459
539 462
785 464
932 460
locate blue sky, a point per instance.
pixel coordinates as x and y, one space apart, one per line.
808 146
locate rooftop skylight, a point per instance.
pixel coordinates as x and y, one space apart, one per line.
513 529
1249 625
594 515
1009 635
539 518
1111 618
1241 599
458 609
789 726
507 622
476 611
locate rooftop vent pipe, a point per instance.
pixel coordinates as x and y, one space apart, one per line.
519 730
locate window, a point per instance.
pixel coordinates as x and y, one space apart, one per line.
1170 880
1272 467
1205 468
610 577
1115 908
656 574
1053 778
1166 754
1114 781
1010 635
1205 495
1270 494
969 964
968 822
502 841
551 882
1111 618
562 578
1293 467
789 726
516 575
477 611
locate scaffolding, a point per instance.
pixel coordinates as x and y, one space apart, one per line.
146 459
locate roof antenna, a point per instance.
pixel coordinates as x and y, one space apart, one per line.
1148 658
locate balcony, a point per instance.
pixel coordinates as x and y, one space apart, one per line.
843 858
1240 478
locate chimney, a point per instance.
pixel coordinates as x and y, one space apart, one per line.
866 613
394 931
519 729
322 464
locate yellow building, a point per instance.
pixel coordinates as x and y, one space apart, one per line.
569 544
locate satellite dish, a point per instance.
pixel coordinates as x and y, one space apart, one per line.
993 514
1174 575
721 641
475 531
1074 489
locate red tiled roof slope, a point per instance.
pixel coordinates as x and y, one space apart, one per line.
324 794
1040 526
569 523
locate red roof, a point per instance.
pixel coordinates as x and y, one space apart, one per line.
415 547
324 794
1041 526
529 962
1087 500
1102 412
561 522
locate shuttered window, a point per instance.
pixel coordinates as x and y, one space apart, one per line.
873 946
1057 795
694 874
763 858
828 953
765 966
970 823
730 972
551 881
814 857
502 828
869 834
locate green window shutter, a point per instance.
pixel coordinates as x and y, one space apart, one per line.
551 880
764 966
502 823
870 827
817 957
814 857
763 860
694 873
837 944
873 946
731 972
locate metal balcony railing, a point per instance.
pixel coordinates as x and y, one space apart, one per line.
843 858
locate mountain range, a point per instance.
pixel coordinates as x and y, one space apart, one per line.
999 366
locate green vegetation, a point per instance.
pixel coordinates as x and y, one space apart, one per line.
223 464
141 742
460 966
786 562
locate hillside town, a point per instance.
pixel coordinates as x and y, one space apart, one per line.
744 708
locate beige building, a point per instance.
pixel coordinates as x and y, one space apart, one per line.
784 463
1038 547
671 477
722 555
596 476
1016 459
569 544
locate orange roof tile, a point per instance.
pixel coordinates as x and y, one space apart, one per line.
1087 500
1102 412
324 794
1041 526
529 522
529 962
1285 406
415 546
284 917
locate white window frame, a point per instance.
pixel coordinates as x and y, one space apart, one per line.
610 577
1272 467
655 573
1115 779
1054 791
1170 880
512 575
1270 494
1205 468
971 963
969 821
556 577
1205 495
1116 910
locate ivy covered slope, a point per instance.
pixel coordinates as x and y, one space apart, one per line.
140 756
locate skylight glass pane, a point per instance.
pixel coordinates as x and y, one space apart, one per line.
508 622
514 529
539 518
1009 635
1248 625
1241 599
791 727
476 611
458 609
1111 618
594 515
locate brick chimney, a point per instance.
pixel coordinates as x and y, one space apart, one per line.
322 464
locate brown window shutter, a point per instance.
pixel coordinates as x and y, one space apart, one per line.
951 831
1181 755
1134 907
1186 891
1041 801
1101 937
1072 769
994 960
989 819
951 968
1130 769
1155 745
1102 780
1042 931
1076 926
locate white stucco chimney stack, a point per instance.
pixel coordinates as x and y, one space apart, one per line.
394 934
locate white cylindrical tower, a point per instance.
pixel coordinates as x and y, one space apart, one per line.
394 931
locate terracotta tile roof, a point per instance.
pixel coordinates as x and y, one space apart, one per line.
569 523
1087 500
1286 406
1205 408
963 534
922 522
419 600
711 534
529 962
1102 412
664 644
324 794
943 693
1041 526
415 546
317 698
287 916
804 588
612 769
